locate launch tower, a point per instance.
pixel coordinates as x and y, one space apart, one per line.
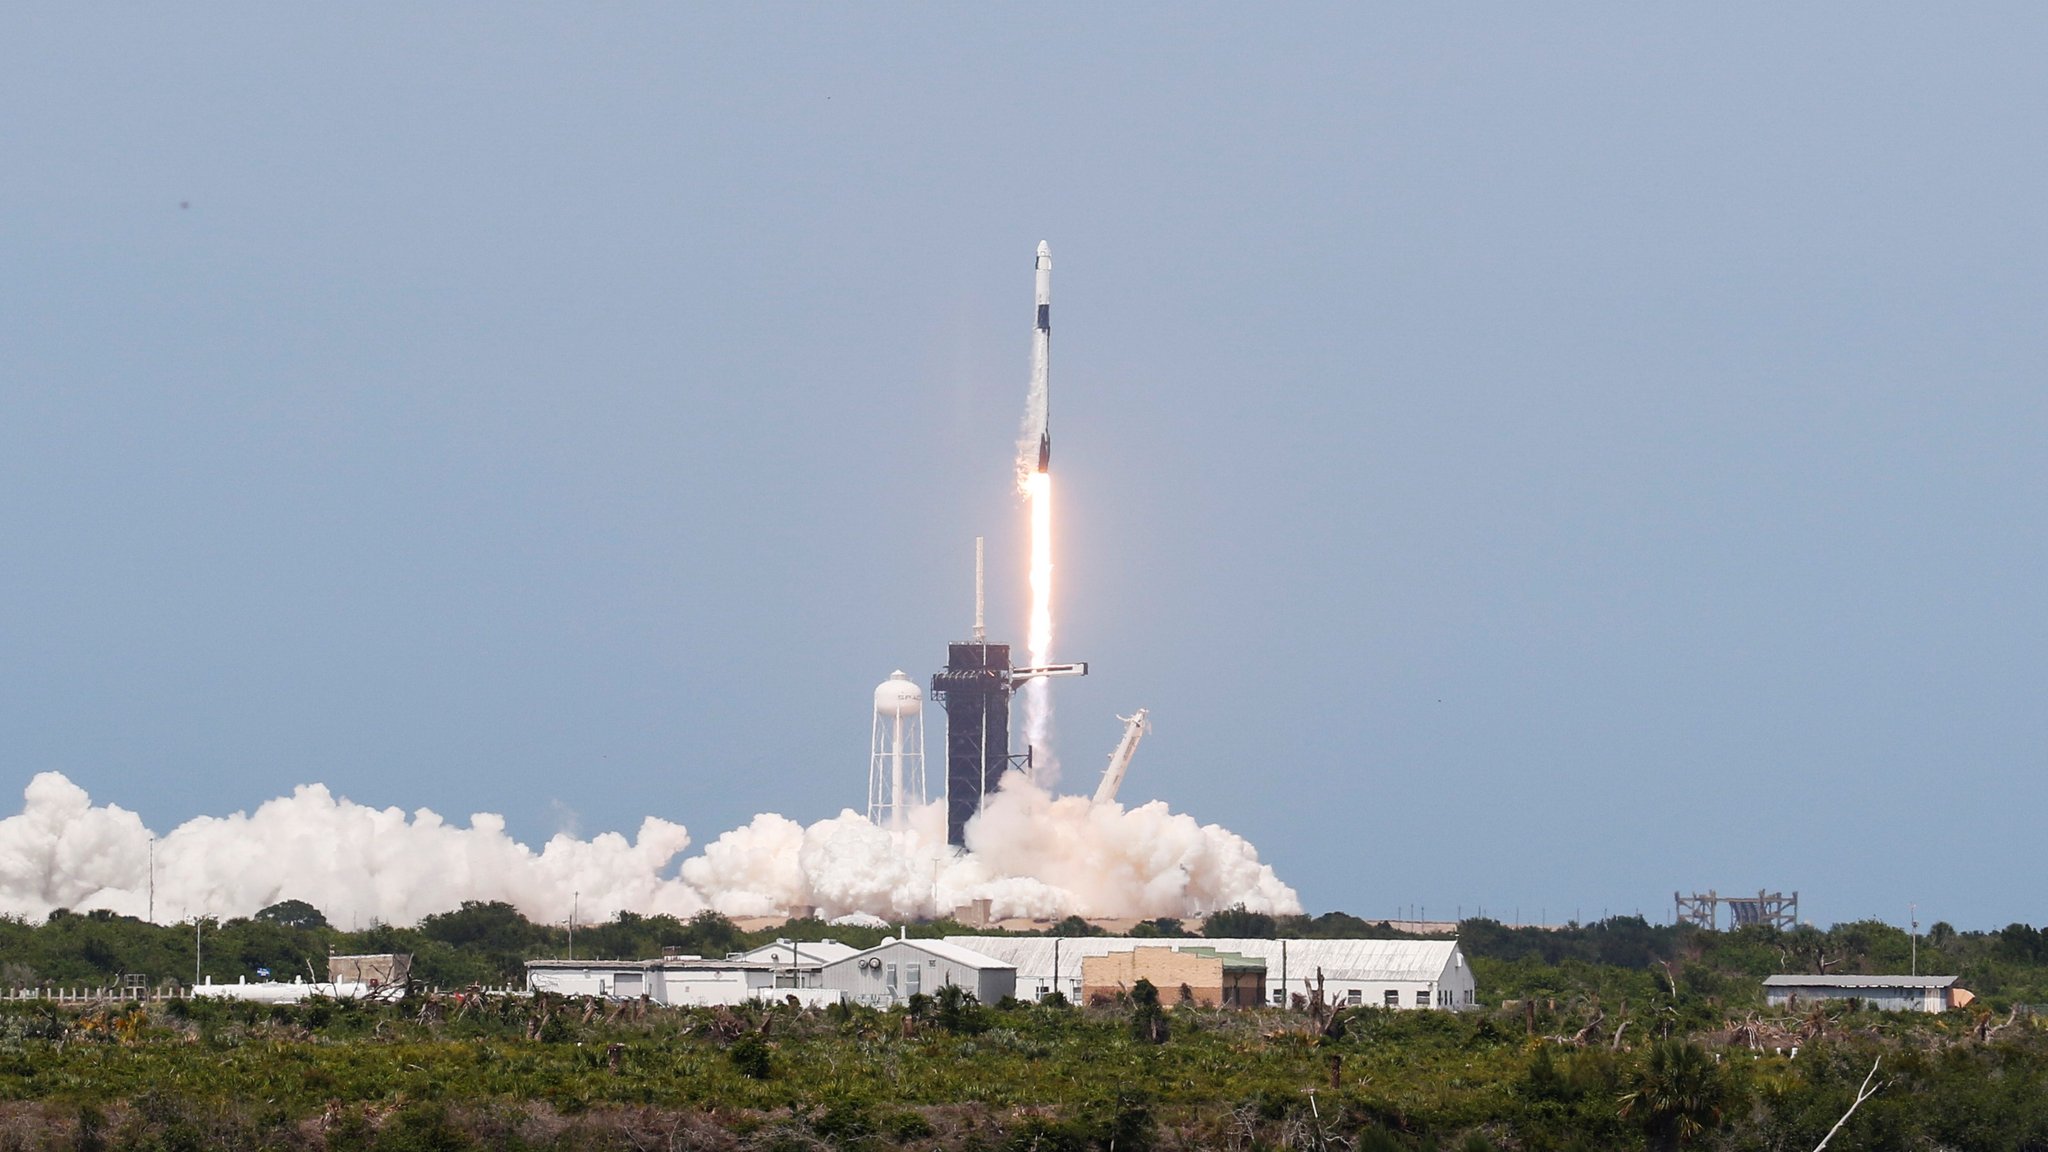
975 688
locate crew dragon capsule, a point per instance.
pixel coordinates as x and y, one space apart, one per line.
1041 356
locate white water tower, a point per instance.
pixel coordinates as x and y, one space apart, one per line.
896 763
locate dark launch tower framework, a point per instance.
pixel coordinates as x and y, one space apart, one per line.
975 689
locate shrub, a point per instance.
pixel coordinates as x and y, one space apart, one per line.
1132 1127
904 1127
1680 1094
91 1133
1044 1134
751 1058
956 1011
423 1128
1148 1019
846 1124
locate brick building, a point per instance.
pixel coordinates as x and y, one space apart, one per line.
1211 977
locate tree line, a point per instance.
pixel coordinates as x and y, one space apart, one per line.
488 942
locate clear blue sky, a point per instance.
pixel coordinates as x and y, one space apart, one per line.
1523 458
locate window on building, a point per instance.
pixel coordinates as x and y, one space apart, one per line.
889 976
1279 997
1422 997
1468 995
1393 998
913 978
1354 996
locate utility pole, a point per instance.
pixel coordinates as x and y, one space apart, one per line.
1913 910
152 879
198 949
575 898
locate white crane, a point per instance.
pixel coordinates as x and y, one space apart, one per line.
1135 727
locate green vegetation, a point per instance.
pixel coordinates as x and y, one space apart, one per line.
479 943
456 1071
1613 1035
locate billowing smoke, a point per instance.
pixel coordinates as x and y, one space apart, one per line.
1031 854
358 864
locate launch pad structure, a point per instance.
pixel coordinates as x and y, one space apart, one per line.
1702 909
975 688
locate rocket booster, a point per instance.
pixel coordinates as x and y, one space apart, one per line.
1041 356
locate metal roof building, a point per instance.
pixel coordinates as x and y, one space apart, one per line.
772 971
809 953
895 970
1884 993
1390 973
679 980
815 973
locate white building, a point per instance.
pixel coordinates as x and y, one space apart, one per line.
295 991
895 970
771 972
1389 973
805 953
1884 993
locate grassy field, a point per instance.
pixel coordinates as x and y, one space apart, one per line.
1618 1034
450 1072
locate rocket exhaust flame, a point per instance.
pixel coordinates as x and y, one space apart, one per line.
1038 638
1034 479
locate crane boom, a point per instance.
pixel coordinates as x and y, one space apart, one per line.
1135 727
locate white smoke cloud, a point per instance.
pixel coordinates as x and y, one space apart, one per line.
1031 854
1108 860
61 852
753 869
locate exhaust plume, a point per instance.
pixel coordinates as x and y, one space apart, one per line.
1037 694
1030 854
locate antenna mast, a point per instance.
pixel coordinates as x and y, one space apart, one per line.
980 630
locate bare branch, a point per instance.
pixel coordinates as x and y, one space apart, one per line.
1862 1094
